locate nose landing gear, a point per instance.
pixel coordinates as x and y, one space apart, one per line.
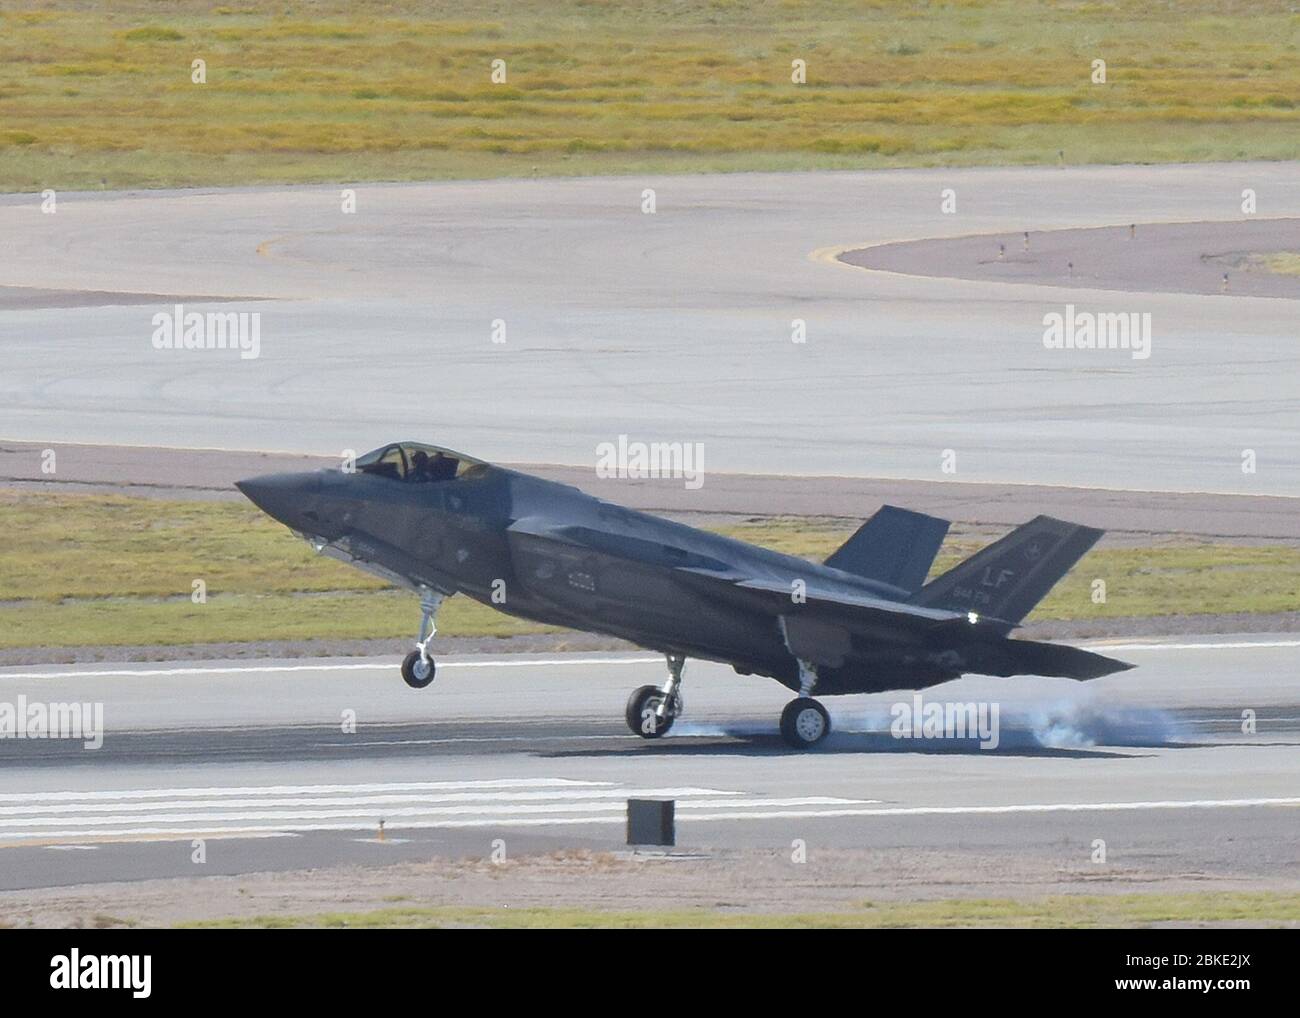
418 669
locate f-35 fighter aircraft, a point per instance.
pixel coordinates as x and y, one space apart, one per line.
438 523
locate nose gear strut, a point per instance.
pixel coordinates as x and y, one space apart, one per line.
418 668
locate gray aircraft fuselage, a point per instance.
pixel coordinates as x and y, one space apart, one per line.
550 553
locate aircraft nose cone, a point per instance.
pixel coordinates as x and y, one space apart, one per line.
281 496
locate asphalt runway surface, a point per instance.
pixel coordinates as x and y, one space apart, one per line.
253 756
1184 257
675 326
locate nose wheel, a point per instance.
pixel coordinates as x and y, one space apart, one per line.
418 668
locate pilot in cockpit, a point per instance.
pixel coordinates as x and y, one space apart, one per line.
441 468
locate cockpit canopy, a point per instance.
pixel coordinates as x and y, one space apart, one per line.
416 463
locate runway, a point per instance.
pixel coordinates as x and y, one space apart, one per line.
259 758
672 326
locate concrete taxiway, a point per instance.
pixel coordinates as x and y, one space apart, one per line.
261 758
675 326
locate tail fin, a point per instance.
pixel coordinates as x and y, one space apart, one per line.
895 546
1010 576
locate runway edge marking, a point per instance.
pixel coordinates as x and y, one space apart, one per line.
156 833
542 662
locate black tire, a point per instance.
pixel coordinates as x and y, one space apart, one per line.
804 723
413 670
641 716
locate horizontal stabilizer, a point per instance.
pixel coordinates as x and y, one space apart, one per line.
1030 657
1010 576
896 546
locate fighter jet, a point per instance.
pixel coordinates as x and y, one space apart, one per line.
439 523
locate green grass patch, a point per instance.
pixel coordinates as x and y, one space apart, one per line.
117 570
402 89
1286 263
1091 911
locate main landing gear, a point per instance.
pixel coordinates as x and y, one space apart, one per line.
804 722
418 667
651 710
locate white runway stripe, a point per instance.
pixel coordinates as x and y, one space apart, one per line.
186 812
164 793
757 814
1242 645
526 662
567 662
1055 807
559 795
524 802
502 813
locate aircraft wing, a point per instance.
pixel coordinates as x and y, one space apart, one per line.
821 629
820 621
855 612
780 598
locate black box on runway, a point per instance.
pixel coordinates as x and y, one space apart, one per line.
651 822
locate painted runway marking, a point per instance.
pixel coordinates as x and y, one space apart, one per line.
165 833
1255 644
287 810
503 814
382 665
190 812
1057 807
568 662
217 803
163 793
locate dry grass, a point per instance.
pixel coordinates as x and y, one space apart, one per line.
1073 911
115 570
101 95
1284 262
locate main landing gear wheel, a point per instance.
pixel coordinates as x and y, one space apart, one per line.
418 670
804 723
644 714
651 710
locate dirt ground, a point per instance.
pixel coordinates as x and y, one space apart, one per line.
733 882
